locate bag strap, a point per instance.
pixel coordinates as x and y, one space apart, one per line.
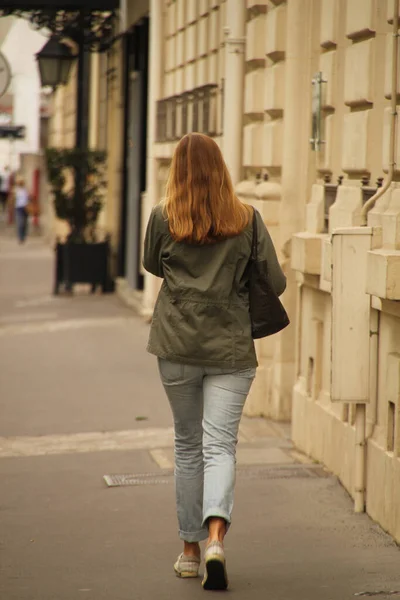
254 243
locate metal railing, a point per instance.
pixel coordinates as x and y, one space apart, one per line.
331 190
198 110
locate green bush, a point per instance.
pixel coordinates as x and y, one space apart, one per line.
76 178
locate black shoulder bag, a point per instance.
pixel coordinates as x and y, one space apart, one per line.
267 313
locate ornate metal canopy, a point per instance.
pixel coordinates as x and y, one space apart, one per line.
91 22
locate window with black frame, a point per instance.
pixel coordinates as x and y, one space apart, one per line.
198 110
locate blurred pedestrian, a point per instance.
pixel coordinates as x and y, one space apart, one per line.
21 203
199 241
4 188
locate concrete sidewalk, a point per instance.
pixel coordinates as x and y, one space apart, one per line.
80 399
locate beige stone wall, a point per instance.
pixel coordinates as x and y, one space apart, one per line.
63 121
136 9
193 44
62 128
103 102
113 137
355 59
281 58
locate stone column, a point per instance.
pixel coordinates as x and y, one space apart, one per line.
94 101
234 87
297 176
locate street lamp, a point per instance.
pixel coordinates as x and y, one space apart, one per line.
55 60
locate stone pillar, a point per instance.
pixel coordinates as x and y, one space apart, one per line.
234 87
94 104
94 92
297 176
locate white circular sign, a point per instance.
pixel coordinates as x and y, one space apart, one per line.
5 74
5 119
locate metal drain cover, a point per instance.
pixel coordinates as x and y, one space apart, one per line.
165 478
380 593
138 479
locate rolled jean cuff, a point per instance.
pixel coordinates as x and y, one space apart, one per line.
194 536
217 513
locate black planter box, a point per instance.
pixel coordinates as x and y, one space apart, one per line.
83 263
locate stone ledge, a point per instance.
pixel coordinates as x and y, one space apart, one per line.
311 281
389 307
383 275
306 252
269 190
246 190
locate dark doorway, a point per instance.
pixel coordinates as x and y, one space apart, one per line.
135 150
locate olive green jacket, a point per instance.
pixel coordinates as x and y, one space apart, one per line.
201 316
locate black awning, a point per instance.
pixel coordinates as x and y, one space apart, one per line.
60 4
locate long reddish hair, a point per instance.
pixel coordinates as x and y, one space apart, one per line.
200 203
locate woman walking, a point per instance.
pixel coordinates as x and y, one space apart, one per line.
199 241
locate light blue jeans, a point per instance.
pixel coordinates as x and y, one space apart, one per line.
207 404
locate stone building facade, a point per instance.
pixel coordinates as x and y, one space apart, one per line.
347 390
297 93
